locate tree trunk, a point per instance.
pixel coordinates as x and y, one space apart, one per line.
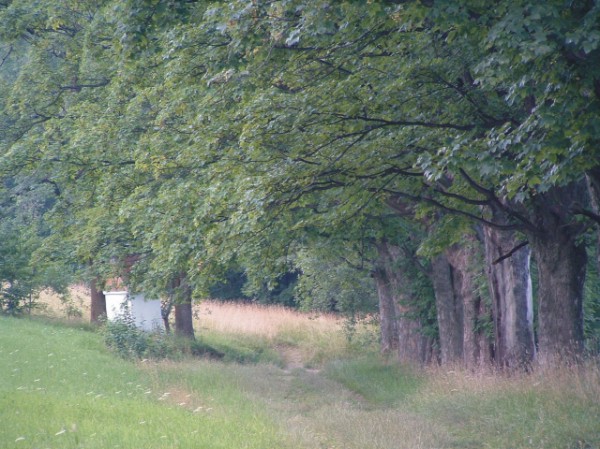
561 258
388 321
477 348
510 288
414 347
401 326
165 311
593 182
98 303
561 265
184 317
449 311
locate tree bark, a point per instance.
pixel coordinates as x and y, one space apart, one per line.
510 288
449 311
561 265
401 327
165 312
98 303
476 343
388 321
184 317
593 182
561 258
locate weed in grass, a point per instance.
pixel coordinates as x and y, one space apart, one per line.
127 340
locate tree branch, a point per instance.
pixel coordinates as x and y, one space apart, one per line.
383 122
587 213
495 200
78 87
10 50
433 202
511 252
462 198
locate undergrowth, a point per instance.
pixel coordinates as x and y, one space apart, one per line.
124 338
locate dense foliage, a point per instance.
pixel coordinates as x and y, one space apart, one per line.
303 137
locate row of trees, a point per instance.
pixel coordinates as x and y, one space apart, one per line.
423 152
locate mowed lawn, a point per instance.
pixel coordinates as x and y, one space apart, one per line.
60 388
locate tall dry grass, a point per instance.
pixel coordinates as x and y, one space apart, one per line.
580 380
270 321
302 339
75 304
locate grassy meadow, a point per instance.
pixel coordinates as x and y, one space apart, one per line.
306 387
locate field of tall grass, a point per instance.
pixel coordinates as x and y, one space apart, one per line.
63 389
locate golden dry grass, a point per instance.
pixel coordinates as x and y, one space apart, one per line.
260 320
76 304
223 317
578 380
301 339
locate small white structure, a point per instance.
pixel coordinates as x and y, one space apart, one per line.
146 313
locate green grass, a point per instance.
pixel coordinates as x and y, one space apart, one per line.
62 389
517 417
376 382
236 348
557 408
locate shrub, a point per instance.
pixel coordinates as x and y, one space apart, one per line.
123 337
